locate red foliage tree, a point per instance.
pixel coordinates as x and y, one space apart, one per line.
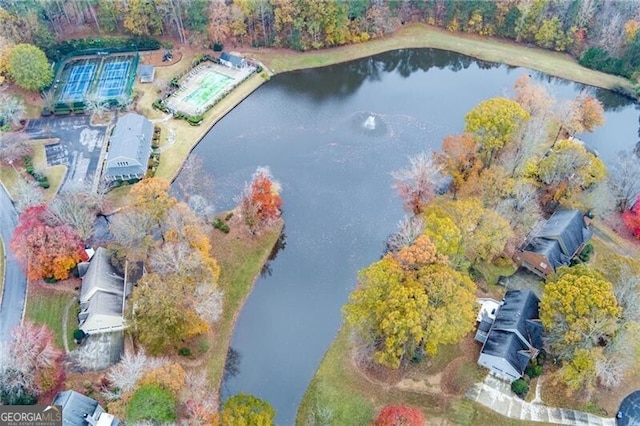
400 415
264 194
45 249
631 218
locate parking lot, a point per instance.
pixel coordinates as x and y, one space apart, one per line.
78 148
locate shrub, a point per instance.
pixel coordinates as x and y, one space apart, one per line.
220 225
228 216
217 47
533 371
392 415
184 352
78 335
150 402
586 253
194 120
520 387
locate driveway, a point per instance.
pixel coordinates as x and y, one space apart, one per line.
79 147
496 395
15 284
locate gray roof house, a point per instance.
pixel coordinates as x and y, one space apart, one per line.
102 296
129 148
514 337
554 243
80 410
232 61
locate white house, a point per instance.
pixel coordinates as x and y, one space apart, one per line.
102 296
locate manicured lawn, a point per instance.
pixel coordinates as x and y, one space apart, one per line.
46 306
241 259
421 35
340 393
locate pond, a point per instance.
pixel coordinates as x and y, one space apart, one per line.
332 136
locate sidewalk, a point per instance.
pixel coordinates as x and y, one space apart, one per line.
496 395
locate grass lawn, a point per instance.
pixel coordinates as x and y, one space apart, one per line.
241 259
46 306
340 394
421 35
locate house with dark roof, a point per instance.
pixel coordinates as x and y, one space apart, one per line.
514 337
80 410
232 61
102 296
554 243
129 148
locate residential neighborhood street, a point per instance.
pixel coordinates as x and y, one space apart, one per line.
15 284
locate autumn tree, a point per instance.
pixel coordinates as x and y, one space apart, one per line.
579 310
478 234
45 250
582 114
243 409
30 365
28 67
260 201
410 301
494 122
409 228
569 168
400 415
457 158
631 219
417 183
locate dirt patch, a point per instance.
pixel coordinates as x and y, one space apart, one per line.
431 384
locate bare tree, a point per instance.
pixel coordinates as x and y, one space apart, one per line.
208 302
96 105
125 375
14 146
12 110
624 179
132 233
409 228
77 208
196 186
610 371
27 194
417 183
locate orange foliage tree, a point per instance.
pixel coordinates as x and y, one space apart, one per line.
260 203
400 415
45 249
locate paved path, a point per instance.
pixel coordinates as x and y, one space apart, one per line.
496 395
15 284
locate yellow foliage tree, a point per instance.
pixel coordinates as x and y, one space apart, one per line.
494 122
578 309
402 311
170 377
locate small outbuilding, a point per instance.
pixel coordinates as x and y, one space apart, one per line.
146 73
514 337
129 148
554 243
232 61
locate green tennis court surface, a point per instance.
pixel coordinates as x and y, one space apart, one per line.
211 85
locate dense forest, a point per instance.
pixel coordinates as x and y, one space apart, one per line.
573 26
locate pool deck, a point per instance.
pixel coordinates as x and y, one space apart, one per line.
190 84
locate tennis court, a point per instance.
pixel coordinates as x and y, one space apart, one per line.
104 78
203 86
78 81
113 79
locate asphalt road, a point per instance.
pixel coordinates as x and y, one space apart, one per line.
15 284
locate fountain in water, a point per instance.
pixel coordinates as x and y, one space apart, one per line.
370 123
